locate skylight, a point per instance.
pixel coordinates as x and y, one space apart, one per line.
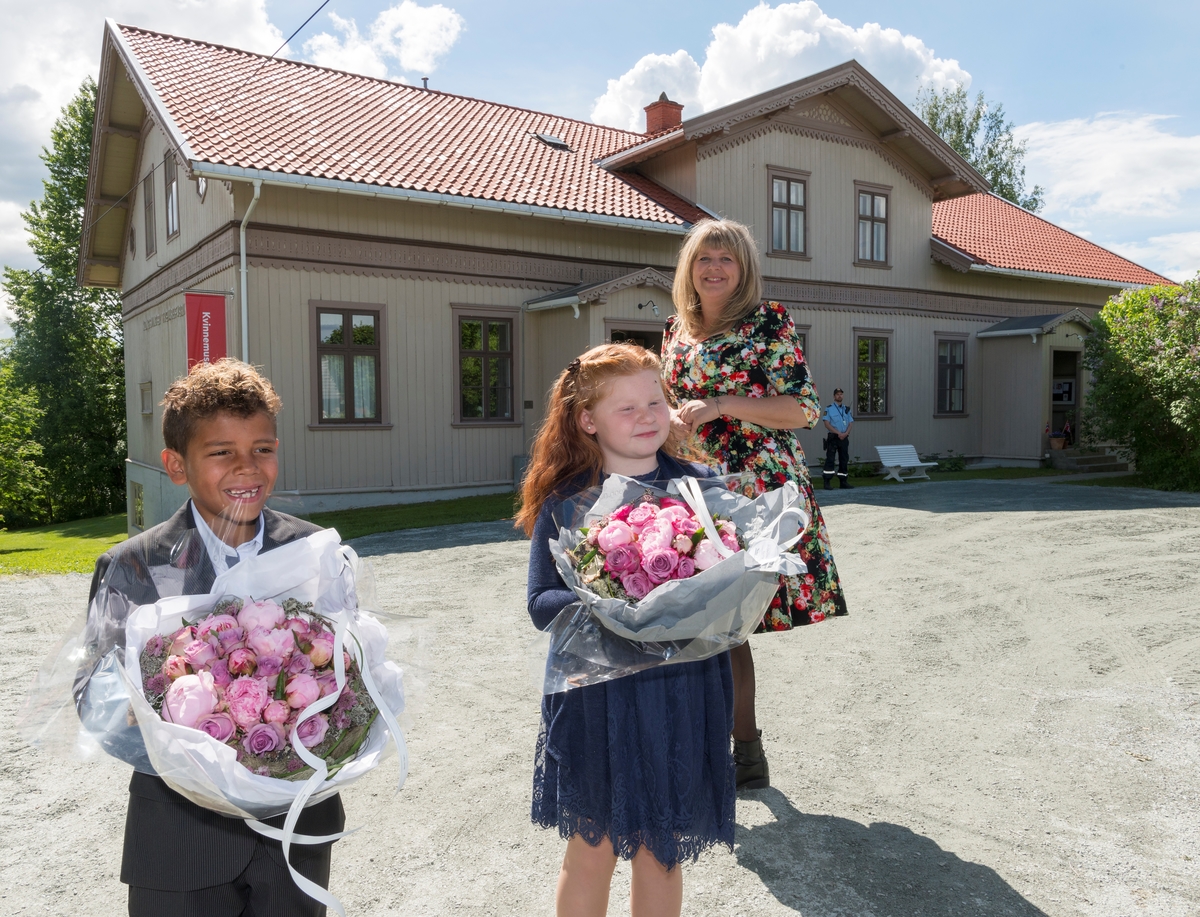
556 142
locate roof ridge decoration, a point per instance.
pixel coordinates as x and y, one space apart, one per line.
598 291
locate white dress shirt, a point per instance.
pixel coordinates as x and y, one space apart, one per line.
222 555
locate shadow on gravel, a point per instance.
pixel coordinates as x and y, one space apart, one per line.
1018 496
822 866
432 539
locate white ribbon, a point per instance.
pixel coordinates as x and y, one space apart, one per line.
287 836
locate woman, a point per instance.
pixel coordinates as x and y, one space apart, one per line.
735 367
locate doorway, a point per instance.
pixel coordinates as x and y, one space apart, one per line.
1064 394
644 335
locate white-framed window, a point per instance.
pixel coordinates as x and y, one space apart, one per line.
148 228
171 193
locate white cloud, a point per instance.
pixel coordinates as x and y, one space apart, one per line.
1124 182
414 37
46 50
771 46
1116 163
1175 255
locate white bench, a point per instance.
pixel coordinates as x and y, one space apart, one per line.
902 458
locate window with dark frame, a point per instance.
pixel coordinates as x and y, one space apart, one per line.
872 226
171 193
348 358
485 369
148 214
872 395
788 215
951 370
803 336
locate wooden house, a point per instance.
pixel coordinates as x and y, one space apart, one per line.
412 268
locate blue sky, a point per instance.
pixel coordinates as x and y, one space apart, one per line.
1103 92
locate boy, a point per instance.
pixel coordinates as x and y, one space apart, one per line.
179 858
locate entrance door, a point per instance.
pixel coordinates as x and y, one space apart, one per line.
1064 394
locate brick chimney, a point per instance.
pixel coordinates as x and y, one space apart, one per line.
663 115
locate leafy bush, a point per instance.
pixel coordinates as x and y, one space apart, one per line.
861 469
1145 395
22 479
948 462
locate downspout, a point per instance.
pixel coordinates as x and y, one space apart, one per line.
242 249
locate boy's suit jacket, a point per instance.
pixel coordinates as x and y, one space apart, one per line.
172 844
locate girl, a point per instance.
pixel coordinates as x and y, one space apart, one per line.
735 366
638 767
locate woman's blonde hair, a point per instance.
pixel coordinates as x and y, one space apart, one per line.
736 239
561 450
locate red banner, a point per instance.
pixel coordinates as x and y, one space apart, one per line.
205 328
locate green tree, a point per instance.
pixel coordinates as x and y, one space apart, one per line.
979 133
1145 396
22 479
67 346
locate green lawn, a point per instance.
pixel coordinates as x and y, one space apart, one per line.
70 547
992 474
354 523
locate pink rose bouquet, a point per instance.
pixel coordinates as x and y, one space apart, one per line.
245 672
627 553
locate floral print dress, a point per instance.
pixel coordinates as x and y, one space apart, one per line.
759 357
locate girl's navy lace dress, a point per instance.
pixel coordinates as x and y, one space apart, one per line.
642 760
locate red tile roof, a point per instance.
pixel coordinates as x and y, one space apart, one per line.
993 231
240 109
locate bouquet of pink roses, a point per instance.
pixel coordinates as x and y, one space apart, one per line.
664 576
645 543
243 674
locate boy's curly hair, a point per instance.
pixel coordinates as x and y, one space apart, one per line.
227 385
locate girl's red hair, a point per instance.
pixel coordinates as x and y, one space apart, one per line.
562 451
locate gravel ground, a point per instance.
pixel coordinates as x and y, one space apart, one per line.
1008 723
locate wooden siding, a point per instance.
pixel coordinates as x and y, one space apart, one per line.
382 218
734 182
912 384
423 449
675 170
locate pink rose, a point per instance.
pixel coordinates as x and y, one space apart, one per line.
300 665
727 528
229 638
174 667
637 584
322 649
669 502
673 513
593 535
328 683
263 738
220 672
660 564
624 558
268 667
272 642
199 654
246 698
299 627
302 690
189 698
277 712
705 555
218 725
640 515
686 526
686 568
730 542
215 624
241 662
181 639
622 514
614 534
656 536
682 544
312 731
264 614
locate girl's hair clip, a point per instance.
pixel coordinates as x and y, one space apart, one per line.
573 367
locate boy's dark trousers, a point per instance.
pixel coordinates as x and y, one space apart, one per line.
839 448
180 858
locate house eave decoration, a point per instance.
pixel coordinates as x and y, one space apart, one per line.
1035 325
586 293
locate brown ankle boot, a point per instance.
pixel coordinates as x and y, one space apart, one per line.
752 771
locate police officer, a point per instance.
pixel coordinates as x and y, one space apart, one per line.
838 421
